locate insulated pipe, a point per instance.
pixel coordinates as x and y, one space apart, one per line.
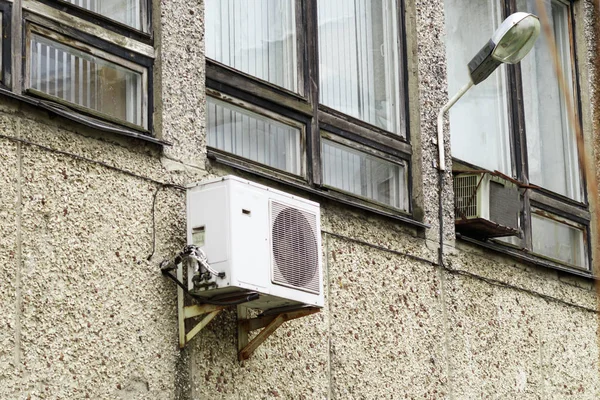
440 124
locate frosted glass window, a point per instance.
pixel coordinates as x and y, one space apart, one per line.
253 136
86 80
551 142
479 128
560 241
257 37
364 175
358 60
128 12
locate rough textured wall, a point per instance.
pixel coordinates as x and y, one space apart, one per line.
426 23
9 255
181 101
87 316
519 332
84 313
397 326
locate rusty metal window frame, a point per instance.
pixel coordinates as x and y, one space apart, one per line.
304 107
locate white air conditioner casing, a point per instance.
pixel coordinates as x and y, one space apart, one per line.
264 240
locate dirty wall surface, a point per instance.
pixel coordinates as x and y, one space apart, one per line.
85 314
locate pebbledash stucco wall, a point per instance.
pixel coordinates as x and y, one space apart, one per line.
85 314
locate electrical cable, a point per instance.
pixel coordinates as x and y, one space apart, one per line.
397 252
454 271
417 258
103 164
154 223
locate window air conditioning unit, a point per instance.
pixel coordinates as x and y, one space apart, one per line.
262 239
486 205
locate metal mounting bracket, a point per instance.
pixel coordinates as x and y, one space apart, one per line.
186 312
268 323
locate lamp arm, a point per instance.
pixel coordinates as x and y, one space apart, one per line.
440 123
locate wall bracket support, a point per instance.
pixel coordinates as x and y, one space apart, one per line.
268 323
186 312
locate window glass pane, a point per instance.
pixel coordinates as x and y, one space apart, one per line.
479 121
252 136
86 80
364 175
557 240
128 12
257 37
551 143
358 60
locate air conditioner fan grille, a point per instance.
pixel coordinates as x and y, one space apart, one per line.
295 250
465 197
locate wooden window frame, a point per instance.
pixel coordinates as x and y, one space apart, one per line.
6 49
21 17
144 35
305 108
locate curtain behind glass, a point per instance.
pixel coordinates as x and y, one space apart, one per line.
551 142
127 12
253 136
364 175
479 121
85 80
257 37
358 60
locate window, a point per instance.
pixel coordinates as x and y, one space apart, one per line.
358 60
312 93
258 138
129 12
257 38
80 68
88 82
516 122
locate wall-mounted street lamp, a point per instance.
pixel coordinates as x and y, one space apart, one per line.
509 44
513 39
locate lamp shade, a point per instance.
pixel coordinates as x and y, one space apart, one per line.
513 39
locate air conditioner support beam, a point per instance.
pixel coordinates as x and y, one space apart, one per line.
268 324
186 312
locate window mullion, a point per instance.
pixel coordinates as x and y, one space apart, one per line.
527 240
313 148
517 122
303 79
17 44
518 139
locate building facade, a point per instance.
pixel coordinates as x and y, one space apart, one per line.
108 109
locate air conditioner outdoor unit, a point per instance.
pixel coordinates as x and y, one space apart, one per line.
486 205
264 240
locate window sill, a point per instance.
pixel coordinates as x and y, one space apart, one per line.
330 195
528 258
83 119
